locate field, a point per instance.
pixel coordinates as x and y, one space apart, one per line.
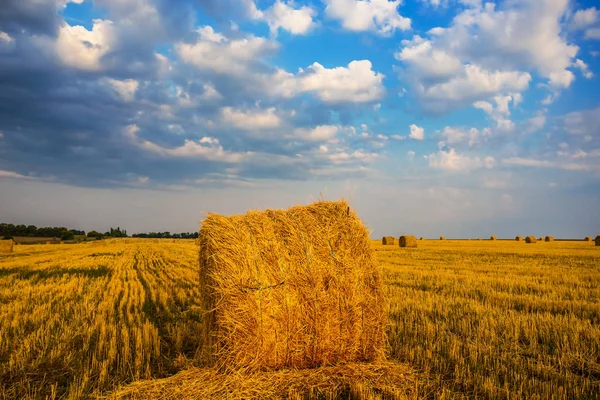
485 319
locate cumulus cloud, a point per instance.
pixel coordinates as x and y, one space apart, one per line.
450 160
215 52
243 58
487 51
284 16
251 119
416 132
380 16
583 67
499 113
124 88
80 48
204 149
356 83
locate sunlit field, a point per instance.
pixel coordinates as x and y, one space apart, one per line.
486 319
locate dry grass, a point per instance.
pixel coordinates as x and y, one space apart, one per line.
407 241
388 240
383 380
530 239
290 288
6 246
477 319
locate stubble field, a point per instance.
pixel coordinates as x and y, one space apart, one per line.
484 319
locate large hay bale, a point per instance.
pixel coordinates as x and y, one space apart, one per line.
388 240
530 239
442 238
493 238
407 241
519 238
587 239
548 239
290 288
597 240
6 246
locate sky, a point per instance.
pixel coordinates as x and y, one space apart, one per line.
462 118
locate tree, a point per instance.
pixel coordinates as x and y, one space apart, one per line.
67 235
93 234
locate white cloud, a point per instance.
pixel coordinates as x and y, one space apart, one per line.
242 58
124 88
205 149
534 124
487 52
357 83
456 135
410 154
251 119
14 175
215 52
584 18
380 16
450 160
7 42
584 69
498 113
537 163
283 16
398 137
472 84
79 48
319 133
416 132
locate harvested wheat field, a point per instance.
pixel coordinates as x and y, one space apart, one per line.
466 319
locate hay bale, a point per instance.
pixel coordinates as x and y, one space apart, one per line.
530 239
290 288
407 241
587 239
519 238
422 238
597 240
493 238
442 238
6 246
548 239
388 240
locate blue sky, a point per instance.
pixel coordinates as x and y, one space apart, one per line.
464 118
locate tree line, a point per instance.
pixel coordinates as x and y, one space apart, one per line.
8 231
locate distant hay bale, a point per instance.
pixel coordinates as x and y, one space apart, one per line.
519 238
548 239
293 288
6 246
407 241
493 238
541 239
530 239
422 238
388 240
587 239
442 238
478 238
597 240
